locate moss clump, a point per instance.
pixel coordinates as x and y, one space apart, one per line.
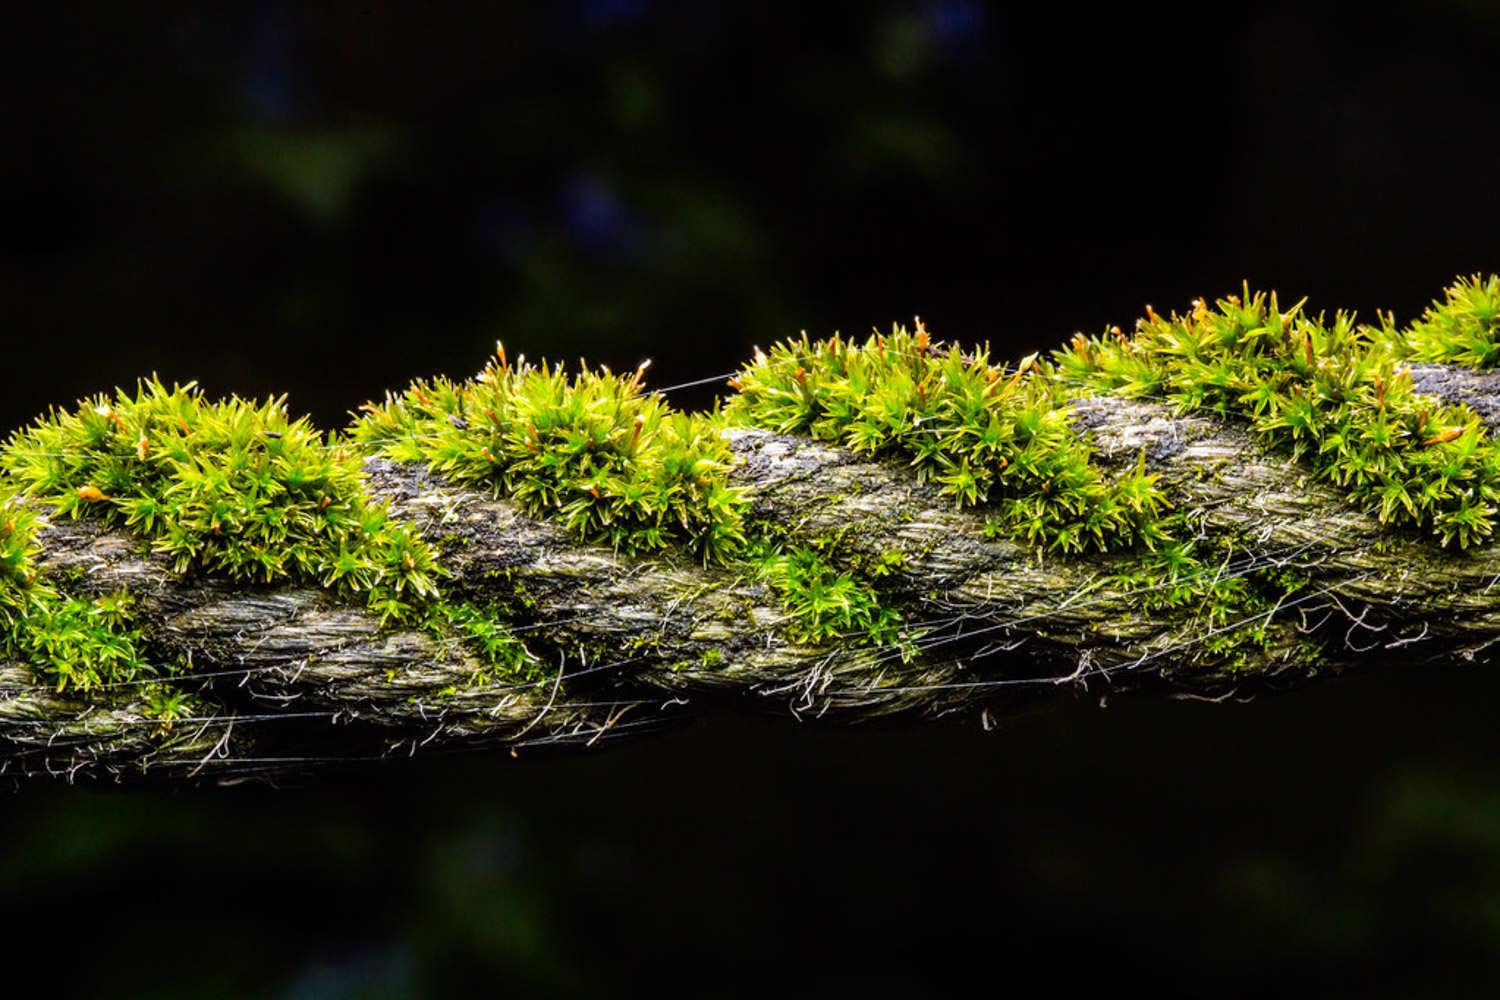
503 657
1177 575
614 463
227 487
168 705
1003 440
80 644
17 547
617 465
1229 601
1462 329
982 434
1330 392
825 602
77 644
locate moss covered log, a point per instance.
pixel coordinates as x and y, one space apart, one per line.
1240 497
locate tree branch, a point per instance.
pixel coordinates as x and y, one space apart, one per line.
293 677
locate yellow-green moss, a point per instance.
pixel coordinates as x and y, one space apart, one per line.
1328 391
619 466
1463 328
227 487
984 435
503 658
825 602
242 490
1000 440
593 449
17 549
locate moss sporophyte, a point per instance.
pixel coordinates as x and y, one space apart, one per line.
243 491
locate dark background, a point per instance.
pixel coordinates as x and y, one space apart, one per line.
269 200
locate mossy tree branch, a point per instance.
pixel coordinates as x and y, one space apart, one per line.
1229 564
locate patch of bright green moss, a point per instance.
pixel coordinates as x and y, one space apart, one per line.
77 644
1001 440
1232 605
80 644
984 435
1330 392
825 602
619 466
227 487
503 657
232 488
613 462
17 547
1462 329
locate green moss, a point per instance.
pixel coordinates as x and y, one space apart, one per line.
169 705
503 657
1461 329
825 603
76 643
1328 391
1003 441
984 435
1177 575
80 644
17 549
885 563
227 487
1231 603
614 463
231 488
617 465
241 490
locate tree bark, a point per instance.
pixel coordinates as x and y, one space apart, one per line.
294 677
